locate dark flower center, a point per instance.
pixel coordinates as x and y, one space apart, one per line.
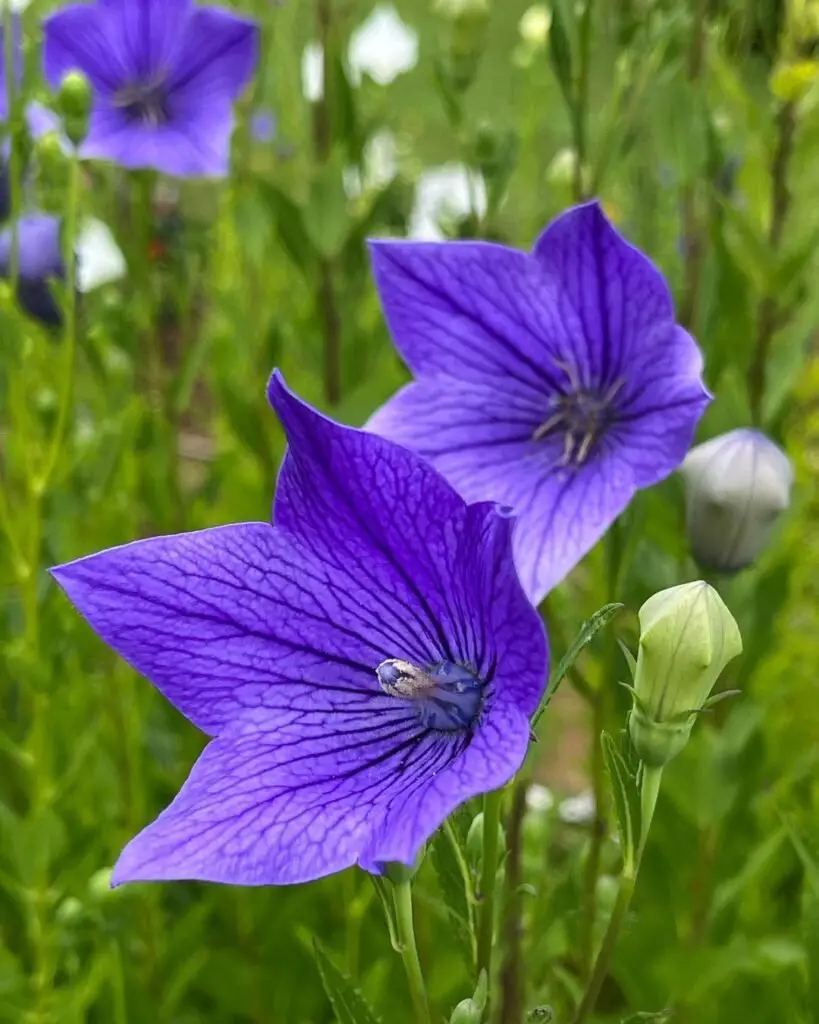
582 416
448 696
144 103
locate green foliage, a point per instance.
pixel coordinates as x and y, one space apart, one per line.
666 106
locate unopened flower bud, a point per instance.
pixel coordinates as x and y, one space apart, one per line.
474 841
469 20
74 104
687 637
470 1011
737 485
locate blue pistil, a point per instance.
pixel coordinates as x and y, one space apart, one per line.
447 696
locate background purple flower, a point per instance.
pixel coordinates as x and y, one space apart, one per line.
364 665
555 382
40 260
165 76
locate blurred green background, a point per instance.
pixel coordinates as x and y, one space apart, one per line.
699 129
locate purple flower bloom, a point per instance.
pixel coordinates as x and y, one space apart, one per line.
40 259
363 665
555 382
165 76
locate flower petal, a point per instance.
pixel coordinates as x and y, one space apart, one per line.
233 618
482 443
475 311
145 35
99 258
293 799
357 500
216 59
617 292
77 39
194 147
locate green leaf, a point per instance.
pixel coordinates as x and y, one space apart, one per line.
660 1017
327 219
626 798
348 1003
630 659
249 425
810 937
587 633
448 857
561 34
750 875
290 225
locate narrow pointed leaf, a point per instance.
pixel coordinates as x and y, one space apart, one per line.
348 1003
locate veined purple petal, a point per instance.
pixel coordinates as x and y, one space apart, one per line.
218 56
78 38
145 35
557 382
290 797
165 75
270 637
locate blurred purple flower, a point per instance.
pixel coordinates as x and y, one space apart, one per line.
555 382
363 665
264 126
40 260
165 76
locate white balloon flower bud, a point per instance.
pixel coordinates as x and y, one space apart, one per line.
687 637
737 485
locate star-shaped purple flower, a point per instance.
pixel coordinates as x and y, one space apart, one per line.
165 76
363 665
555 382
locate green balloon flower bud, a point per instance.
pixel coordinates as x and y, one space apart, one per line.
470 1011
397 873
687 637
474 842
469 20
74 104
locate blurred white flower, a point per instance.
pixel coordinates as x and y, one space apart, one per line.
736 487
539 799
380 165
534 26
15 5
455 9
99 258
445 193
383 47
578 810
312 72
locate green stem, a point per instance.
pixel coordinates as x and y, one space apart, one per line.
402 898
581 102
67 391
648 799
14 155
486 914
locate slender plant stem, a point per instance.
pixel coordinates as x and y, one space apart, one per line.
489 869
323 144
580 104
511 982
14 153
600 714
70 344
768 316
649 792
402 897
691 227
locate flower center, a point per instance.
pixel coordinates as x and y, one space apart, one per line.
582 416
448 696
144 103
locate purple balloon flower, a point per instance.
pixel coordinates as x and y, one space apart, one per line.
555 382
40 260
165 76
363 665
